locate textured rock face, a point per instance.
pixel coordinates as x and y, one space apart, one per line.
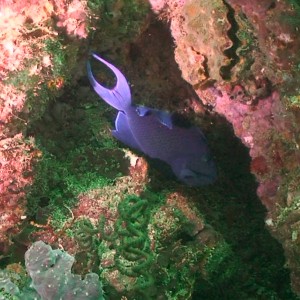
16 160
242 58
33 68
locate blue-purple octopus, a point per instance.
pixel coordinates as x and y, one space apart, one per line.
154 133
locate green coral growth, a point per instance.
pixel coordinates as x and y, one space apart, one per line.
41 83
63 57
219 258
133 257
37 92
115 23
59 180
125 17
131 229
294 17
294 101
77 154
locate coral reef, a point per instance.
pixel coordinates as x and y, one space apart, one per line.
119 23
133 242
242 59
16 162
35 63
64 180
133 256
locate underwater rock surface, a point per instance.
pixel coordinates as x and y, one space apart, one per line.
34 67
242 58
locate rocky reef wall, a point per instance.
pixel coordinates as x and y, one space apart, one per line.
242 58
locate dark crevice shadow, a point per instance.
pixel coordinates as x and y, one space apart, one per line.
233 209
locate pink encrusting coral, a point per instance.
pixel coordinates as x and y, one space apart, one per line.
19 23
16 162
73 17
266 129
26 85
11 102
24 28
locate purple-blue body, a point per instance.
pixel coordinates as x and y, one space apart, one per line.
153 132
